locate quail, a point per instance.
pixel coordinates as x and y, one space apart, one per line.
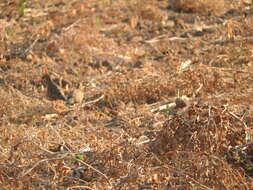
180 103
76 96
53 91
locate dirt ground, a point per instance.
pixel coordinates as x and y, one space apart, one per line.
168 94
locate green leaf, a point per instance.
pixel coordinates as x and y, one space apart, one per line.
79 157
8 31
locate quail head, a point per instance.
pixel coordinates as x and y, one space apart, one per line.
76 96
180 103
53 91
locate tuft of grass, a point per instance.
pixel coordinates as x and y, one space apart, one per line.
9 31
21 7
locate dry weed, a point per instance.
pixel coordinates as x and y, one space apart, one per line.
216 7
132 57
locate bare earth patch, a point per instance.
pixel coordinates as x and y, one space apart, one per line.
166 94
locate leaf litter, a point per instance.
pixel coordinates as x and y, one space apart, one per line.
167 94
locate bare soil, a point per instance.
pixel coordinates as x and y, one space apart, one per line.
131 59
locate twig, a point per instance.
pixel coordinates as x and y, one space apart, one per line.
248 136
42 148
163 37
242 146
164 107
39 162
31 46
71 25
94 169
86 103
78 186
185 174
60 137
93 101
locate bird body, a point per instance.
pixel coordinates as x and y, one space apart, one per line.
76 96
53 91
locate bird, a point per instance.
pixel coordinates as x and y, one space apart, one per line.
53 91
75 96
180 103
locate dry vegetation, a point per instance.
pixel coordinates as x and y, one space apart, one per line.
132 57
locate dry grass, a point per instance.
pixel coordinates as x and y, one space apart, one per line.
132 57
216 7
